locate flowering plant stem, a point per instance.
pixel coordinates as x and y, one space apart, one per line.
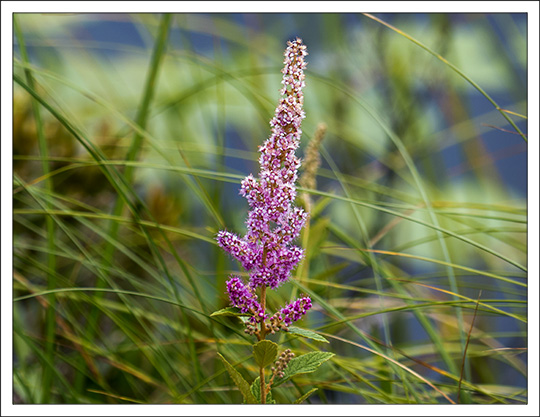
267 251
262 336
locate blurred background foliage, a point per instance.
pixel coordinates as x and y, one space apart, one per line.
132 160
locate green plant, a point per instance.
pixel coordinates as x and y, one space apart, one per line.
266 251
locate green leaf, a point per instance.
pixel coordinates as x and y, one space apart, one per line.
304 397
302 365
306 333
265 353
256 391
239 381
229 311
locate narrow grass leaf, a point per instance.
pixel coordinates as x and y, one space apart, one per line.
435 54
119 397
239 381
395 362
305 396
466 347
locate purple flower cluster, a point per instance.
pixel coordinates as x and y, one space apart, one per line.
294 311
242 296
266 251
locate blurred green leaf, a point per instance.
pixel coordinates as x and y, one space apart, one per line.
239 381
305 396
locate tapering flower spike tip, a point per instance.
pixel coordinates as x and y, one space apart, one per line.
273 223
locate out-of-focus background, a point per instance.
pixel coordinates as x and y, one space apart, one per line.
417 238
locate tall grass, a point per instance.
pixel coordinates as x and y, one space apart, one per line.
128 155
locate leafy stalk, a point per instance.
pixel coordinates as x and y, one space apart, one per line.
266 251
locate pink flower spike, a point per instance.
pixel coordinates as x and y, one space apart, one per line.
294 311
273 222
266 251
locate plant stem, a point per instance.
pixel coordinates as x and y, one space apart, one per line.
262 336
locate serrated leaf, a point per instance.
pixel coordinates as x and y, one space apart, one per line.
239 381
256 391
307 333
265 353
302 365
229 311
304 397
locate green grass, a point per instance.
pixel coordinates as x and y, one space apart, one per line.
128 160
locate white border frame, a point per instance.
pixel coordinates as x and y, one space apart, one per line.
530 7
